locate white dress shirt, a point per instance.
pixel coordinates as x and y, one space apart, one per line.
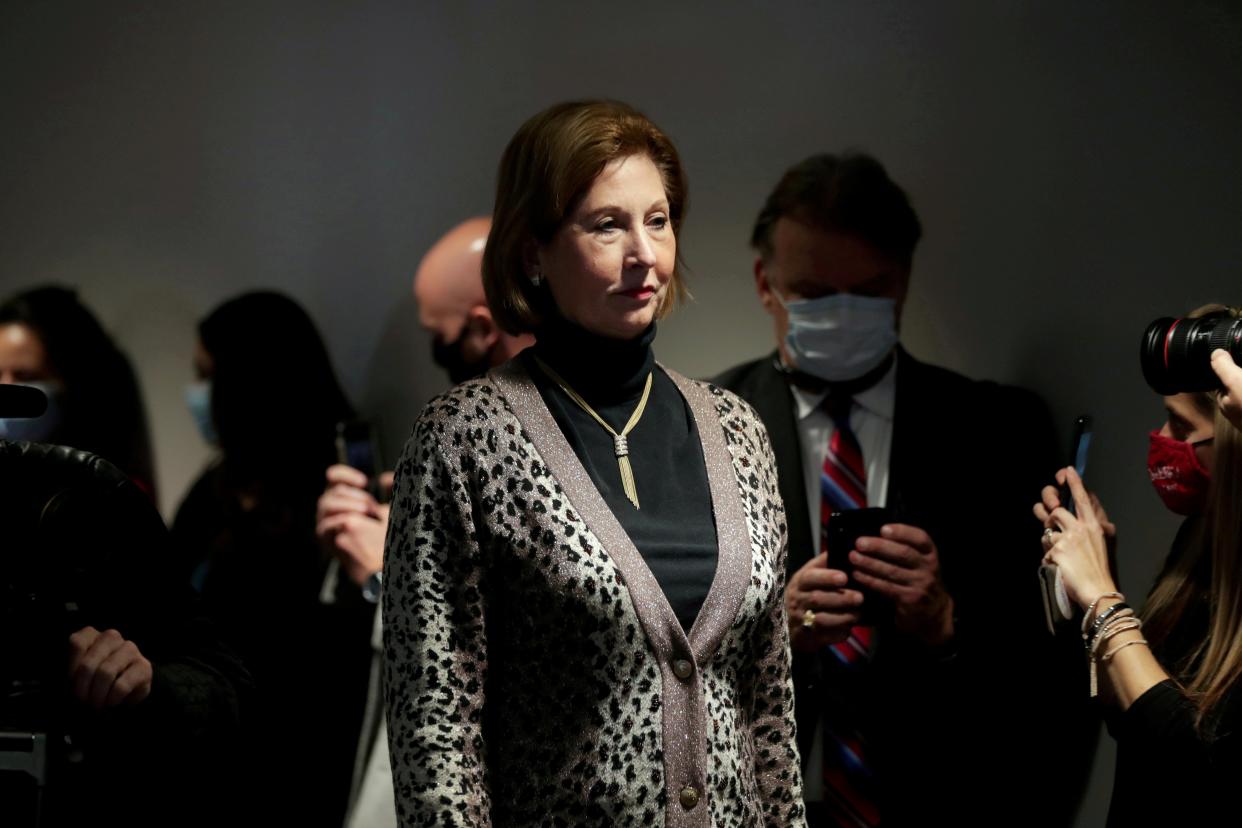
871 419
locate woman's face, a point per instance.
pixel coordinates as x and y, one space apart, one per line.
1189 424
609 265
23 359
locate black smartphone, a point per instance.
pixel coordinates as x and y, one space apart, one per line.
355 446
844 530
1080 447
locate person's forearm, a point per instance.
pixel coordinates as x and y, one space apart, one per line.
1131 670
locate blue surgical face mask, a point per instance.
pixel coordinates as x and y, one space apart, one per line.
40 429
198 398
840 337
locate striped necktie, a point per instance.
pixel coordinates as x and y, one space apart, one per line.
849 784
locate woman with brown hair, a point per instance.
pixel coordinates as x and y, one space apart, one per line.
582 588
1171 678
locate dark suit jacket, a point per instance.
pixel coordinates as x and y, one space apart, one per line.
954 735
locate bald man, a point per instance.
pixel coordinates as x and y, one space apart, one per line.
452 308
466 341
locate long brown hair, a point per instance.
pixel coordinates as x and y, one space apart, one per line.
1214 665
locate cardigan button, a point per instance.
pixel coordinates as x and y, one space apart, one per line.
683 669
689 797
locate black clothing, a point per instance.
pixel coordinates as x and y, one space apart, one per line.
261 569
967 461
85 547
674 529
1169 772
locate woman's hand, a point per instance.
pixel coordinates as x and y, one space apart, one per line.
1050 499
351 523
1230 374
1077 544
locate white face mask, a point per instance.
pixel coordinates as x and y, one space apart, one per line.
198 400
840 337
36 429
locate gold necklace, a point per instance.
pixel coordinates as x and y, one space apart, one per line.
620 443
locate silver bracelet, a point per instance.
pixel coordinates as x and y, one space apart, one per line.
1120 625
1086 617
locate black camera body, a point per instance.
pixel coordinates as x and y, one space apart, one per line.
1176 354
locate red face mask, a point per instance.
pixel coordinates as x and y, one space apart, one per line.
1179 477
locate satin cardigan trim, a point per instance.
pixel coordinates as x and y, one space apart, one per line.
684 709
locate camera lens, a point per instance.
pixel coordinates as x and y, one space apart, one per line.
1176 353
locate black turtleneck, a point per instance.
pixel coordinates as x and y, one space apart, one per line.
674 530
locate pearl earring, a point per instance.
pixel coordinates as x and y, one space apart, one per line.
536 278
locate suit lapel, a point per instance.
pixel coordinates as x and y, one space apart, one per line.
912 420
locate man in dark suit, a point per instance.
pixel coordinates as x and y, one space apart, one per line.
925 685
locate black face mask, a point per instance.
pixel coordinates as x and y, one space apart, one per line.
448 356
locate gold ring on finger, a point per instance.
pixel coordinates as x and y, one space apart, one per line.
808 619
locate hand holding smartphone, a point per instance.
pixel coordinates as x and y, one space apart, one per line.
1080 446
355 447
844 530
1058 609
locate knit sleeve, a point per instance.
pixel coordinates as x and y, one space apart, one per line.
435 647
777 765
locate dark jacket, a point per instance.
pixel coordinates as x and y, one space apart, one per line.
948 730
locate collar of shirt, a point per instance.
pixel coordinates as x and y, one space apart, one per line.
879 399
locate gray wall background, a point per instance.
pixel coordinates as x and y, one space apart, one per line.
1075 166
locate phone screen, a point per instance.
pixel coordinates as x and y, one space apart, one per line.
1080 447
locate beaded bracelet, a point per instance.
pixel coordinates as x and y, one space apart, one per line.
1121 621
1102 618
1086 617
1112 630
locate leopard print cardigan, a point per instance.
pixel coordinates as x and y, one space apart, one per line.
535 672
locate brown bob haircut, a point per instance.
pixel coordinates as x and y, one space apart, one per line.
545 171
